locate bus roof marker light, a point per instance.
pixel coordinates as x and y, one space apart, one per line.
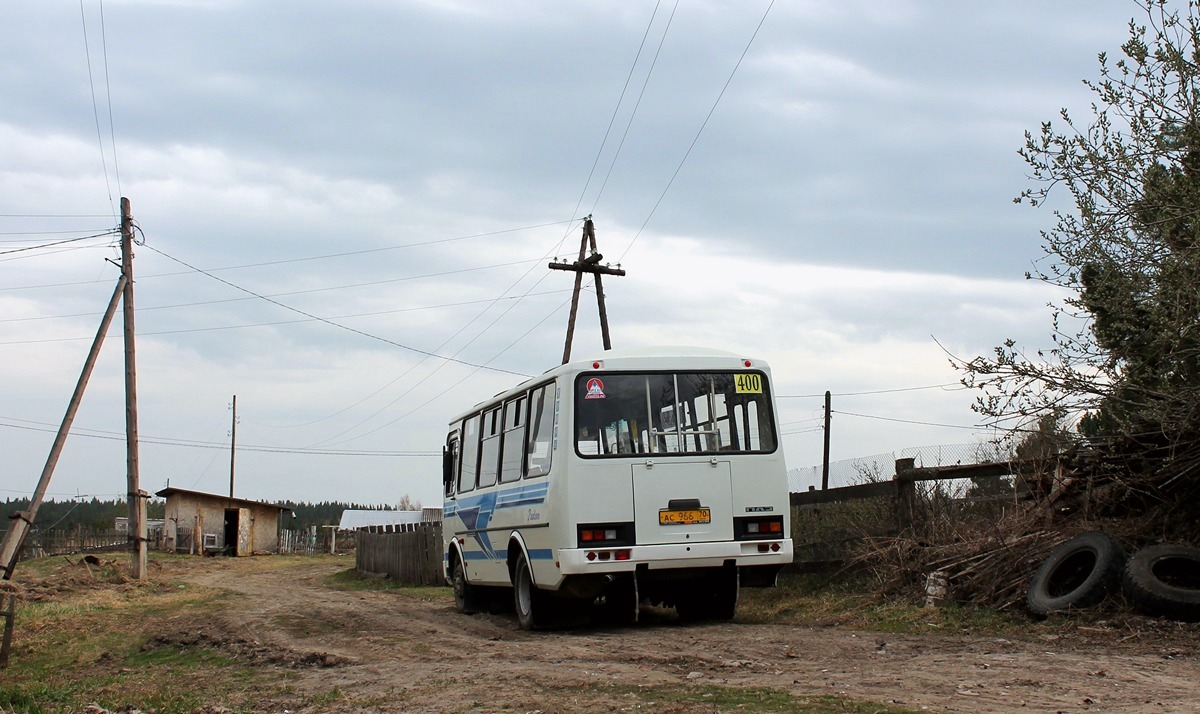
597 364
747 362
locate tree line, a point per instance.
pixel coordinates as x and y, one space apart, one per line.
99 515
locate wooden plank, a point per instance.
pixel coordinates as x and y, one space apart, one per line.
845 493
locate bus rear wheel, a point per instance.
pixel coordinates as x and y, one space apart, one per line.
525 596
710 598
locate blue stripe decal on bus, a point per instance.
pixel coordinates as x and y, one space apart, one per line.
476 511
535 554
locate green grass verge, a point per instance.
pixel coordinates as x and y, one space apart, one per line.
351 579
848 600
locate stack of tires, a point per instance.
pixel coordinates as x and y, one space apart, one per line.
1162 580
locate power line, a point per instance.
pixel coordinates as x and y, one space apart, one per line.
315 257
95 109
698 132
113 436
945 387
327 321
110 232
612 120
910 421
284 322
112 133
638 103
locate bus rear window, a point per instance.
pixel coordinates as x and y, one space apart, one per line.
620 414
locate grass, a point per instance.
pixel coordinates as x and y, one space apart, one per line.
89 645
760 700
848 600
351 579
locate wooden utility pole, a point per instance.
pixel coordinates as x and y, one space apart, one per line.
587 264
825 460
137 498
20 523
232 445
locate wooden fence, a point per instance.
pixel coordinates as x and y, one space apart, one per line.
827 523
413 555
71 540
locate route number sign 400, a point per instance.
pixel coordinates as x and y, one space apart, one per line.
748 383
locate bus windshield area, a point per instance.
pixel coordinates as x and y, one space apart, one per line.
623 414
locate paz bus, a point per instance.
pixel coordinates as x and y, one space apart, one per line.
641 476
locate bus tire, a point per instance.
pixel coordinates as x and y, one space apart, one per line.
1078 574
1164 580
711 598
526 599
464 592
620 602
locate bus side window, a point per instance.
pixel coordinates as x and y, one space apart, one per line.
541 431
470 454
489 455
514 440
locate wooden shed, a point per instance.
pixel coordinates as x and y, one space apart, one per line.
209 523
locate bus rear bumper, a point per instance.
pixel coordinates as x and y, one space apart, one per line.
576 561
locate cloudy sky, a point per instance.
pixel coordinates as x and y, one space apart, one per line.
329 194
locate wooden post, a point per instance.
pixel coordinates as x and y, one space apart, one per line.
18 527
137 520
906 494
232 445
6 644
587 264
825 459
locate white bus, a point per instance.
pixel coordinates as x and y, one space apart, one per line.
640 476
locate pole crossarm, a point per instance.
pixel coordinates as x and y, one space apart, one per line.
587 263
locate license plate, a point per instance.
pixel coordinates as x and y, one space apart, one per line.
685 517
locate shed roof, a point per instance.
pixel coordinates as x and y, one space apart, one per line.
169 491
353 519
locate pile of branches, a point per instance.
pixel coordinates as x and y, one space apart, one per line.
978 561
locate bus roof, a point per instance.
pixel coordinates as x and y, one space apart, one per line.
632 359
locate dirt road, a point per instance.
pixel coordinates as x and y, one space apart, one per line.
390 651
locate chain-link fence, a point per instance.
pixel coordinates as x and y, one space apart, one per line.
882 467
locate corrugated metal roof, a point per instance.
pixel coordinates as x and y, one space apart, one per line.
352 520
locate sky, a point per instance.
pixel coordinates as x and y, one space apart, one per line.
346 213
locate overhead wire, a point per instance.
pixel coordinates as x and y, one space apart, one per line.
152 276
58 242
95 108
700 131
638 103
112 132
612 120
327 321
191 443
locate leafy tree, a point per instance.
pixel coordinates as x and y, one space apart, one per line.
1126 349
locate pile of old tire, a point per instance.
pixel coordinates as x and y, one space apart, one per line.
1164 580
1078 574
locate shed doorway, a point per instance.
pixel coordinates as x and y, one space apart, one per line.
237 531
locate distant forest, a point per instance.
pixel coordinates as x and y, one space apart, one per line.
98 515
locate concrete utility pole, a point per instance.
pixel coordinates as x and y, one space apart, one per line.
587 264
137 497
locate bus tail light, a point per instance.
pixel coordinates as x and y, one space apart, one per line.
758 528
768 547
598 535
604 535
606 555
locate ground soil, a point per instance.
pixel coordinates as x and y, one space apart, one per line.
386 650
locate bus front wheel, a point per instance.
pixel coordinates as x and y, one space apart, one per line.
464 594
